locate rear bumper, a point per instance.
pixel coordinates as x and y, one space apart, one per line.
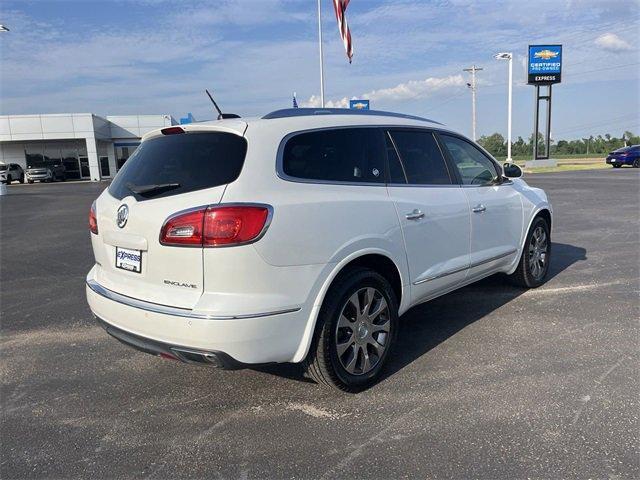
227 342
176 352
619 161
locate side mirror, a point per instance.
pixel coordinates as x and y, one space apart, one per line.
511 170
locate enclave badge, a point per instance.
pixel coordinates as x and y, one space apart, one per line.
122 215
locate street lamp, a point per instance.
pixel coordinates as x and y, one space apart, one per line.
508 56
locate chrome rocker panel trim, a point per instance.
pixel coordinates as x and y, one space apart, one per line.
175 311
458 270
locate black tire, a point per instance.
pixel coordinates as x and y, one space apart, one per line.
22 178
29 181
64 177
9 179
616 165
636 163
523 275
323 363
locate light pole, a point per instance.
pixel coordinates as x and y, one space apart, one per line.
508 56
473 69
321 55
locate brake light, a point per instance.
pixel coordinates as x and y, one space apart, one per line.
232 225
215 226
93 220
172 130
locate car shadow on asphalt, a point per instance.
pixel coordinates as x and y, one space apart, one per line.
426 326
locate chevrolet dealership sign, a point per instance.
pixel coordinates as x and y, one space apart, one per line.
545 64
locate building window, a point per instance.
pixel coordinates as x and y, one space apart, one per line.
34 157
104 167
123 152
70 161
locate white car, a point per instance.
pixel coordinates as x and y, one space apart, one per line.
302 236
10 172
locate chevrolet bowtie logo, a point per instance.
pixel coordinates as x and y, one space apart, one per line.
545 54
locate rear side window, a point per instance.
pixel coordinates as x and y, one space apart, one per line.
421 160
340 155
174 164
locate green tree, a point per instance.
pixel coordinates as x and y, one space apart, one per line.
494 144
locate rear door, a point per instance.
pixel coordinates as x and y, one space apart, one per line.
496 207
166 175
432 209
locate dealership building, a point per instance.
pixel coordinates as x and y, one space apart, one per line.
90 147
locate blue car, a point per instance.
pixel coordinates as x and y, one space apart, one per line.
625 156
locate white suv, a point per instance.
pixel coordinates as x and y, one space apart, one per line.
301 236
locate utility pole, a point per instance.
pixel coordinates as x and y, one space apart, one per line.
473 69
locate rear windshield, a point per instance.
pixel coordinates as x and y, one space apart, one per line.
180 163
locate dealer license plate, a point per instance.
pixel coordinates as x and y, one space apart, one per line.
128 259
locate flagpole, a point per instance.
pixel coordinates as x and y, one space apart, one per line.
321 56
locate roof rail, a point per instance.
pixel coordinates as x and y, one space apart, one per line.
303 112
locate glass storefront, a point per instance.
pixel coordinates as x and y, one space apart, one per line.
71 154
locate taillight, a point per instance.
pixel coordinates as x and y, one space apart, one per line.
232 225
183 228
216 226
93 221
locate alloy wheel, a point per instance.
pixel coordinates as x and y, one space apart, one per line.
538 252
362 333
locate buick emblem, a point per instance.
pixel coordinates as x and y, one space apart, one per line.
122 215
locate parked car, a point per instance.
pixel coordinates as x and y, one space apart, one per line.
625 156
46 172
10 172
302 236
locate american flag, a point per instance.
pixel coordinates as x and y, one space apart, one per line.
340 6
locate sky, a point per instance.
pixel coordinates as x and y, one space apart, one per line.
157 56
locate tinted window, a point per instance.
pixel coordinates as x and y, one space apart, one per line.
474 166
3 168
186 162
341 155
420 157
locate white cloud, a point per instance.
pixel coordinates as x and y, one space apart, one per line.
403 91
612 43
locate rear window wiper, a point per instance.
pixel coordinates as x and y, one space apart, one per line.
153 188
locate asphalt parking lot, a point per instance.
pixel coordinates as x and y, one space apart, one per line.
487 382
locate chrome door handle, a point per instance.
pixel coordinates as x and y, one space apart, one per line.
479 208
415 215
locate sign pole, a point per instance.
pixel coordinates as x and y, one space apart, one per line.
321 56
536 114
548 132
